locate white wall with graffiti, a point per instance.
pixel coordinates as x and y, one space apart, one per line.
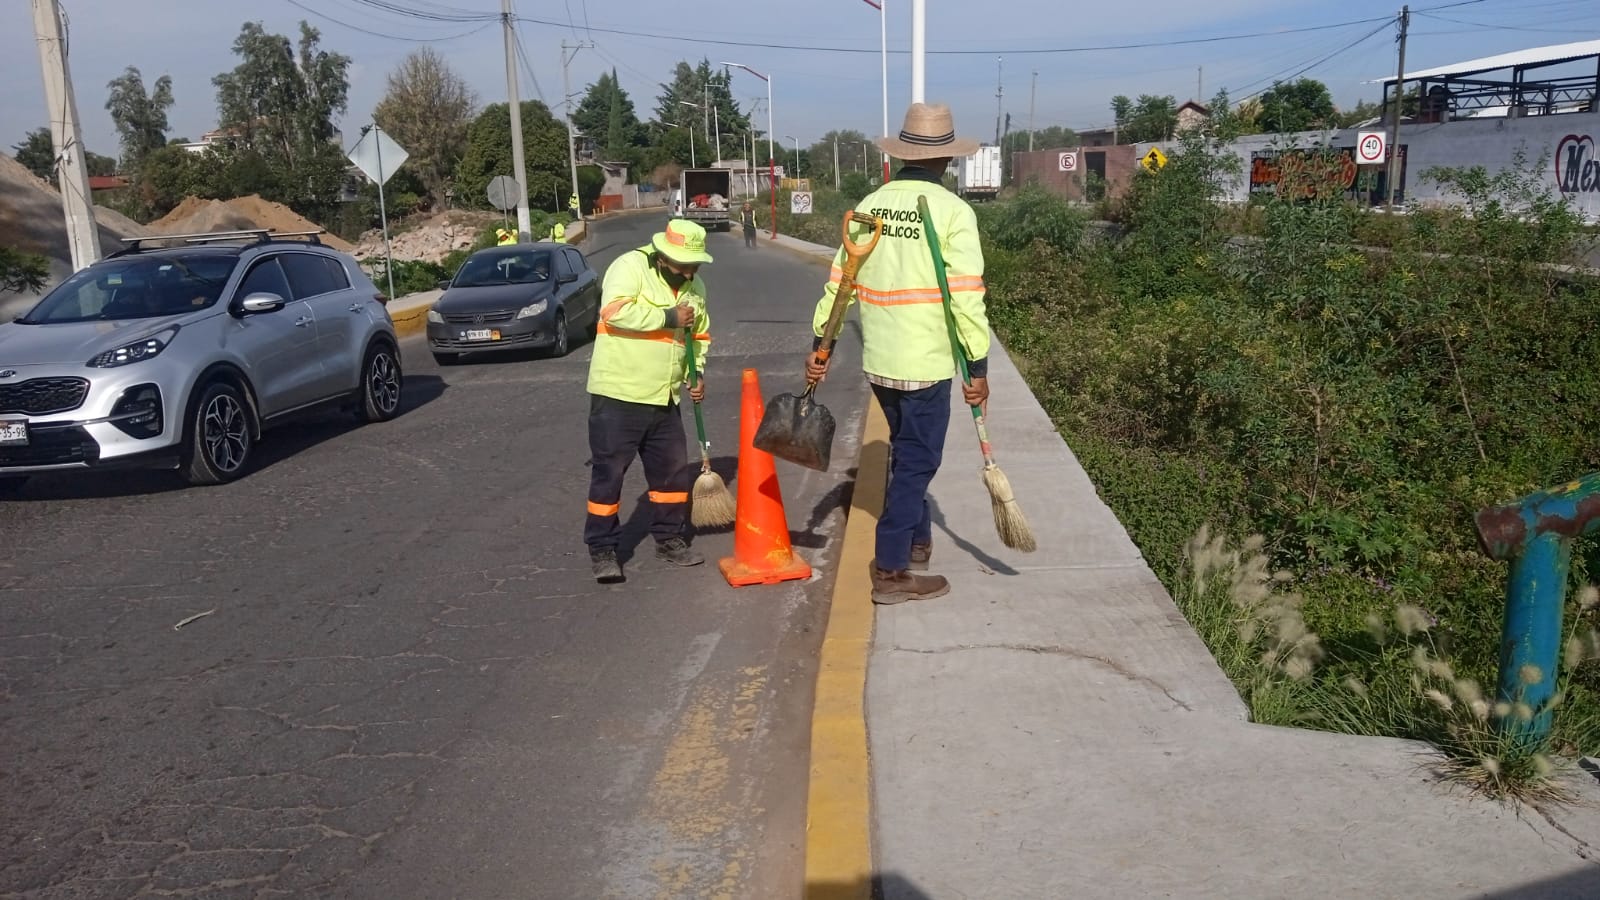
1564 147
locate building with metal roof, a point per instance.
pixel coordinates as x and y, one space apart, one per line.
1553 80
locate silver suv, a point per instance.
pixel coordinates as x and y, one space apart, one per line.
179 356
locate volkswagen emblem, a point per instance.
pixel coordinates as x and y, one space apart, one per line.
477 320
7 373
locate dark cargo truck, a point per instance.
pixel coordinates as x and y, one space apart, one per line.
707 195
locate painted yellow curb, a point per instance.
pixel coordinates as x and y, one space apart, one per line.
411 321
839 797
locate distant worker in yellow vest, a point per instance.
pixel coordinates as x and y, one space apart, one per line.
558 232
504 237
572 206
905 343
652 301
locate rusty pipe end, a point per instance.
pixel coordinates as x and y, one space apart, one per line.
1501 531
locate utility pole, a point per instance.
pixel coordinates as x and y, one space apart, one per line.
1033 93
1199 84
71 165
919 49
572 134
1399 108
999 95
519 164
836 161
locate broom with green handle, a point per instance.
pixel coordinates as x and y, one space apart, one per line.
1008 519
713 504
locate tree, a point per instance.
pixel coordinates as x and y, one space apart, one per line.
696 85
488 155
855 153
1363 111
427 110
1121 109
280 107
1299 105
22 271
1150 118
38 155
607 115
140 116
1230 120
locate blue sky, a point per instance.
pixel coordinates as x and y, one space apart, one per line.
813 91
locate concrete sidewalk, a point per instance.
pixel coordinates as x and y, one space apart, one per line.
1054 729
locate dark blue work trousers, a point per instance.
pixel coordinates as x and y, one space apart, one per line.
618 432
918 421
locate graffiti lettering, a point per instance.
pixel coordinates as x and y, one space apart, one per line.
1577 169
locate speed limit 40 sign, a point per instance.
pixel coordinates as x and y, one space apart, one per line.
1371 148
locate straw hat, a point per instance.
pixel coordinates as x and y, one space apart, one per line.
683 242
928 133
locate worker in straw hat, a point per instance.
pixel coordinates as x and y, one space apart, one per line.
650 298
503 237
906 345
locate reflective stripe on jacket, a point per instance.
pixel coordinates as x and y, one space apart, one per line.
636 357
903 329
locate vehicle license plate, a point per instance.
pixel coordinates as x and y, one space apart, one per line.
13 431
481 334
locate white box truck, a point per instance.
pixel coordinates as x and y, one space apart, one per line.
980 175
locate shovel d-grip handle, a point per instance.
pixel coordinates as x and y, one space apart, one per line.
854 255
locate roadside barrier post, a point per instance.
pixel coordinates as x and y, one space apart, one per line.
1535 534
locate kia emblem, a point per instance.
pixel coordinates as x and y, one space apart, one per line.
7 373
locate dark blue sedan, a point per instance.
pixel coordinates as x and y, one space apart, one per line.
515 297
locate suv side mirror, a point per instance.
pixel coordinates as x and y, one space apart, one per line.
262 302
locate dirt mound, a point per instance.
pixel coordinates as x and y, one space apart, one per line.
197 216
430 239
31 220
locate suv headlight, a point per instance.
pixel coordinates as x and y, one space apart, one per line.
136 351
533 309
435 316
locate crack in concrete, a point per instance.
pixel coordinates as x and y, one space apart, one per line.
1056 650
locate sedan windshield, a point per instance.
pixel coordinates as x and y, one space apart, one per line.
510 266
136 288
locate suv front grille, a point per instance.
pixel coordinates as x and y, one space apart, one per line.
480 318
43 396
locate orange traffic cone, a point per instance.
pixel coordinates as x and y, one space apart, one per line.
761 551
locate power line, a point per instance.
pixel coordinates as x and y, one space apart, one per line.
379 34
1312 65
522 54
1499 27
443 13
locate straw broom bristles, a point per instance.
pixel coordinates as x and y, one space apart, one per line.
1008 519
713 505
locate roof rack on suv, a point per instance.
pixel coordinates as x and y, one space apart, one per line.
260 235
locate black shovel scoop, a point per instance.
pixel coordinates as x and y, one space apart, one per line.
797 428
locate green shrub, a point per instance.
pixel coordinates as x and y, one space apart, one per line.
1355 405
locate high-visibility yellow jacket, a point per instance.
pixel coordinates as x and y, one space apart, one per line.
558 232
637 358
903 328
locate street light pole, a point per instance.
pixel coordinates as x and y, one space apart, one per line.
883 37
772 159
690 130
919 49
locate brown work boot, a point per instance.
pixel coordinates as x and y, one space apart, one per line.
889 588
921 555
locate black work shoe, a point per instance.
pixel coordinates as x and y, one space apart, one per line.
606 568
677 551
921 555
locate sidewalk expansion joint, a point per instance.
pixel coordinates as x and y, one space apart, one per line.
1055 650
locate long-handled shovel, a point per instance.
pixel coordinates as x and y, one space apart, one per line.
1008 519
797 428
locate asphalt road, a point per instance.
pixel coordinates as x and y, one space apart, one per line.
410 686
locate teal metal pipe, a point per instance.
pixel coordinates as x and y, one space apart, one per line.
1535 535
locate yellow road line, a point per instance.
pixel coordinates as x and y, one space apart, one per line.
839 798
